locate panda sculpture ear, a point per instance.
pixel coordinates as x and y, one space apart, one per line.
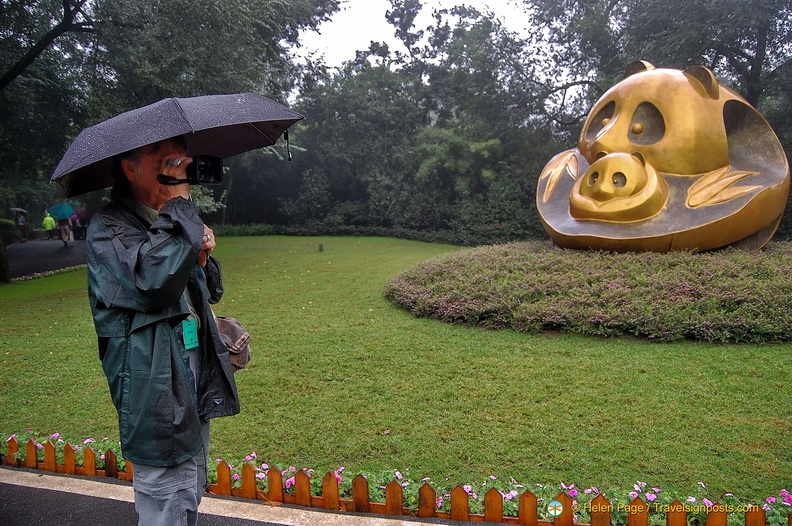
706 78
637 67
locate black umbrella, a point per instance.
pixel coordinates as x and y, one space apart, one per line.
222 125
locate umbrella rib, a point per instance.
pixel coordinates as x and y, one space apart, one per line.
183 114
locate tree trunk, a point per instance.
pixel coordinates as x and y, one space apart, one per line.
5 270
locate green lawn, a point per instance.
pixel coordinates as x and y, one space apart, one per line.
341 377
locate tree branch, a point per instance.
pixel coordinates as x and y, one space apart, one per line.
66 25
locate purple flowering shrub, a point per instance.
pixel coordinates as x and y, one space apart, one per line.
726 296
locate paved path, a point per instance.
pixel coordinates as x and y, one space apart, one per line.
42 255
36 498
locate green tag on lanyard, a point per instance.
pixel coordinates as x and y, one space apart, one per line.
190 331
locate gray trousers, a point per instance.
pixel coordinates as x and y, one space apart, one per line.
169 496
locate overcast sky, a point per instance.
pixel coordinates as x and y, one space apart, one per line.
361 21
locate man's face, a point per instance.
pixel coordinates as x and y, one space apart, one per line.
143 176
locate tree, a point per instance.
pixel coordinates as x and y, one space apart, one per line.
73 18
748 47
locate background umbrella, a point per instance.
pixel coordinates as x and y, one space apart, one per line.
222 125
61 211
84 215
19 210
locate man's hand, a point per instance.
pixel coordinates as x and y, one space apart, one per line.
207 246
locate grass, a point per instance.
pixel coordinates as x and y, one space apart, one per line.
341 376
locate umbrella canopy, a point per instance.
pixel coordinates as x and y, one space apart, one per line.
19 210
84 215
222 125
61 211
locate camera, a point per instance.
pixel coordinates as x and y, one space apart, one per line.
204 169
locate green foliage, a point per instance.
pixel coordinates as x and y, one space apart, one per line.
725 296
9 231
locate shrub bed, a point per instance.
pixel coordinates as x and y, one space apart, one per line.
726 296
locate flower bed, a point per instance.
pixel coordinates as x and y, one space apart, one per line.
727 296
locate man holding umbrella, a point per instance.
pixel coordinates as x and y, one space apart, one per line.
152 278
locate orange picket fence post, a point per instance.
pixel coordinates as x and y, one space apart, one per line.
360 495
394 499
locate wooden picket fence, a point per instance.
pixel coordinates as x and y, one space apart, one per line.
330 500
69 465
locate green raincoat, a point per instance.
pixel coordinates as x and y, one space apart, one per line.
137 275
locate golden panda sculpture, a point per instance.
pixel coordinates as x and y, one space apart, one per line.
667 160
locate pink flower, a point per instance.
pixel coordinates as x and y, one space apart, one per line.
253 455
788 500
783 493
702 485
650 496
9 438
771 500
493 477
289 482
468 488
587 491
88 440
510 495
236 476
439 501
261 476
633 494
55 435
248 458
265 466
573 493
706 502
398 475
691 499
656 490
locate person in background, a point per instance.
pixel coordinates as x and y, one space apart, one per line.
49 225
75 224
22 223
151 278
65 226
